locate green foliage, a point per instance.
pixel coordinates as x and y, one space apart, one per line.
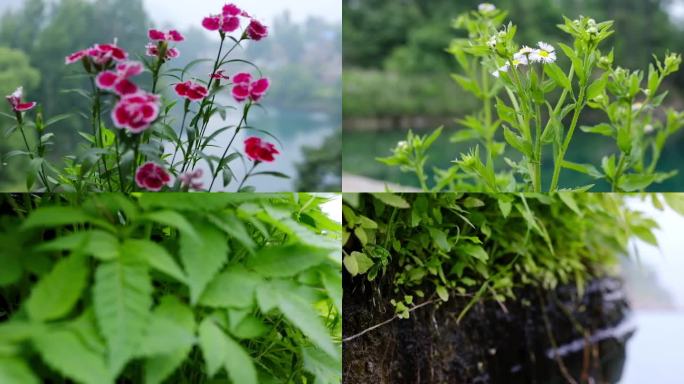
510 80
239 288
484 246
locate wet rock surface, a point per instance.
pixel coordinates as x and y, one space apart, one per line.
546 337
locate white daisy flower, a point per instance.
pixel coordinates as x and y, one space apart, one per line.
504 68
492 42
525 50
520 59
545 54
486 8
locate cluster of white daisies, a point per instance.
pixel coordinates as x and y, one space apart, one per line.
545 54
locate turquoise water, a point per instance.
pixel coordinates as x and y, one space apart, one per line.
360 149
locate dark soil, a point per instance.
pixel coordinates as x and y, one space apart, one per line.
490 345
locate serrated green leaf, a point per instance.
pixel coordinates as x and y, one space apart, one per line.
249 328
203 258
64 352
56 294
392 200
232 288
238 363
155 255
332 281
303 316
286 260
326 369
235 228
158 368
99 244
213 345
173 219
122 300
16 371
55 217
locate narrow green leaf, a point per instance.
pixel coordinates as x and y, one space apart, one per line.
332 281
56 294
326 369
440 238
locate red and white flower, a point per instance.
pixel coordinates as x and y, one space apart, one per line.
15 101
118 80
244 88
259 150
191 91
136 112
152 177
101 54
220 75
172 35
152 50
192 179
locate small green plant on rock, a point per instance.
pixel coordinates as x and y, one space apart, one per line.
430 247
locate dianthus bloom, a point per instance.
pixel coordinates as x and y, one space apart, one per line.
152 177
546 53
152 50
101 54
15 101
191 91
219 75
245 88
259 150
227 21
118 80
172 35
192 179
136 112
256 31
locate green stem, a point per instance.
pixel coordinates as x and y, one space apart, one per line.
566 144
219 166
180 136
246 176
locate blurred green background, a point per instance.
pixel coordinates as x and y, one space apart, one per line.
302 57
397 73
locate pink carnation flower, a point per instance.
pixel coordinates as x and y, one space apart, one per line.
191 91
118 81
257 31
136 112
220 75
259 150
227 21
244 88
15 101
172 35
152 177
192 179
